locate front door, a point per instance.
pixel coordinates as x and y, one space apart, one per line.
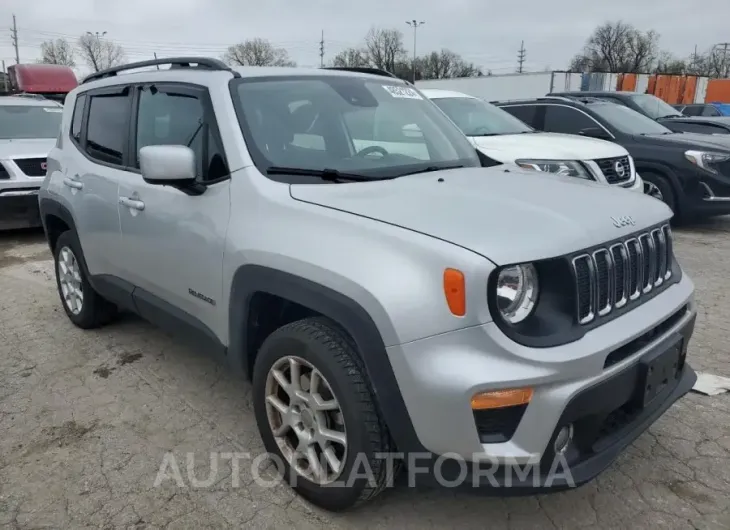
173 241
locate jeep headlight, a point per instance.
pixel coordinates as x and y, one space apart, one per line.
517 289
706 160
567 168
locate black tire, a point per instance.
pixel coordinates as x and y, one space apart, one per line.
95 310
322 343
665 188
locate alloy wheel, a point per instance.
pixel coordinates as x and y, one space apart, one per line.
306 420
69 278
653 190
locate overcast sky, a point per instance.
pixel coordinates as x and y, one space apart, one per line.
487 32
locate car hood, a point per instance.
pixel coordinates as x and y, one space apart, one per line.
551 146
688 140
26 148
507 215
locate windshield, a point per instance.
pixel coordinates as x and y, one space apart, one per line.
654 107
20 121
479 118
628 120
356 125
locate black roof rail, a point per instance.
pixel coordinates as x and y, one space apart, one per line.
204 63
363 70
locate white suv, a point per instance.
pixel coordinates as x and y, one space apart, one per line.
504 138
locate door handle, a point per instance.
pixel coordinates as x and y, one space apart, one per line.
131 203
73 183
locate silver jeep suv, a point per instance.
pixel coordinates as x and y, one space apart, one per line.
334 237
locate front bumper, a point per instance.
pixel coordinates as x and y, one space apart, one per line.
704 194
637 185
19 208
438 376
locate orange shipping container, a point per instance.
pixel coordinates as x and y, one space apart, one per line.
718 90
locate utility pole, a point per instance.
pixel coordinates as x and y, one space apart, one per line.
14 33
521 57
155 54
414 24
321 51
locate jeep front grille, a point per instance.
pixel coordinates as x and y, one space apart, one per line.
608 278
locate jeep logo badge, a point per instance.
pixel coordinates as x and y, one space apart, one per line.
624 220
619 168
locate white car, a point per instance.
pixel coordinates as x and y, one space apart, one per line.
504 138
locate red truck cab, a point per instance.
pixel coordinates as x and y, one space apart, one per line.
52 81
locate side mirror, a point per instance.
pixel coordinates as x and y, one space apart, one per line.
595 132
167 164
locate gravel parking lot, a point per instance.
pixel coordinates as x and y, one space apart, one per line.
86 419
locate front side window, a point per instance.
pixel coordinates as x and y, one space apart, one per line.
106 132
177 117
479 118
29 121
654 107
524 113
628 120
372 127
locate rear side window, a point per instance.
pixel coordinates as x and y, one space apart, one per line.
710 110
78 116
566 120
106 132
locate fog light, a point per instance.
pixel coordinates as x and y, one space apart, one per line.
563 439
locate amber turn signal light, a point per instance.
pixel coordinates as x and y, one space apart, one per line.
455 291
498 399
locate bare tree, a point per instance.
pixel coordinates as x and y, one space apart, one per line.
257 52
57 51
385 48
99 53
618 47
351 57
444 65
669 64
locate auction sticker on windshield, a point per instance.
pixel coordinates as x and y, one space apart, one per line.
402 92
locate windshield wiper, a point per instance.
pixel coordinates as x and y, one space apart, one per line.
431 169
331 175
670 116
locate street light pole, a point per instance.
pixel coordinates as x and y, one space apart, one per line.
414 24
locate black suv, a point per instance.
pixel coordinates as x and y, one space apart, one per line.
657 109
690 175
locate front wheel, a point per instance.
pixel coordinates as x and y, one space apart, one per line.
317 415
660 188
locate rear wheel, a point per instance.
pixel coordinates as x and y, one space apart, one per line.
84 306
317 415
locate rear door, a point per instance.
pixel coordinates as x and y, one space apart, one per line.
92 168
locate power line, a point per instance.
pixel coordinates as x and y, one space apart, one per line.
521 56
14 38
